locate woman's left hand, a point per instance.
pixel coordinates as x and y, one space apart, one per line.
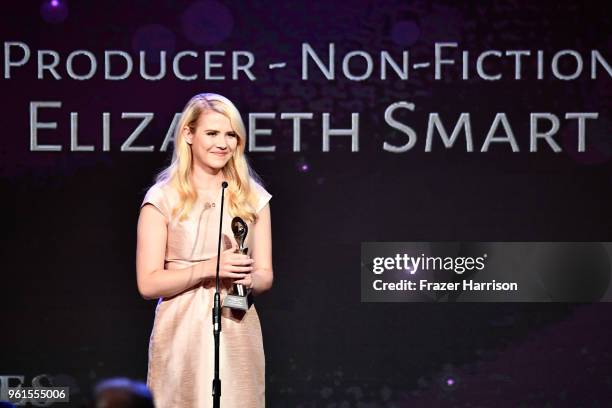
247 281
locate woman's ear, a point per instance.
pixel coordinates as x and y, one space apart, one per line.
187 135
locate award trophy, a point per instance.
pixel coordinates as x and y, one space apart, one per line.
241 298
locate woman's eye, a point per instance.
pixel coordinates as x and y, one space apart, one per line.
232 134
211 133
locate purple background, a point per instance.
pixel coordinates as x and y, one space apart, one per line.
70 304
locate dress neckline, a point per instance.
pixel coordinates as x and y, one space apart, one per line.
209 200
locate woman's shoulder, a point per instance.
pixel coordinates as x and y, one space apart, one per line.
162 195
161 188
262 195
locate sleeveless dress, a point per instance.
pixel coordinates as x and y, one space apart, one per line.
181 346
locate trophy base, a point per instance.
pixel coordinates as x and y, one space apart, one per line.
238 302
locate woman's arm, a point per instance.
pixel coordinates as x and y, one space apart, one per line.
260 280
153 280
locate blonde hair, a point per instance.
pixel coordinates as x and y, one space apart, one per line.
241 195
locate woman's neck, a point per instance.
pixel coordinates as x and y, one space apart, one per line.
207 179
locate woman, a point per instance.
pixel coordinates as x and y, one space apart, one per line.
178 231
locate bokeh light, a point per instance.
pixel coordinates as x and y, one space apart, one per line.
405 33
54 11
153 39
302 166
207 22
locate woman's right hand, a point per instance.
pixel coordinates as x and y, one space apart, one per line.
232 265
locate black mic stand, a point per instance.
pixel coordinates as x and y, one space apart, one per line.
216 315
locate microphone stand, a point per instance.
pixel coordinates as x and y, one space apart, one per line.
216 315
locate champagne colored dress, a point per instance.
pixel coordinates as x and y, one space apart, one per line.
181 347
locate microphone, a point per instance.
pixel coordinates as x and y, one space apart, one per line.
216 315
223 187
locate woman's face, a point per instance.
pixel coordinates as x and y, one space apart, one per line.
214 140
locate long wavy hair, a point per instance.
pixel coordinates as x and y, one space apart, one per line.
241 195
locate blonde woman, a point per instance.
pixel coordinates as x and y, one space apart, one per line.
178 231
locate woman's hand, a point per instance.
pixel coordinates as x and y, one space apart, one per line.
247 281
233 265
